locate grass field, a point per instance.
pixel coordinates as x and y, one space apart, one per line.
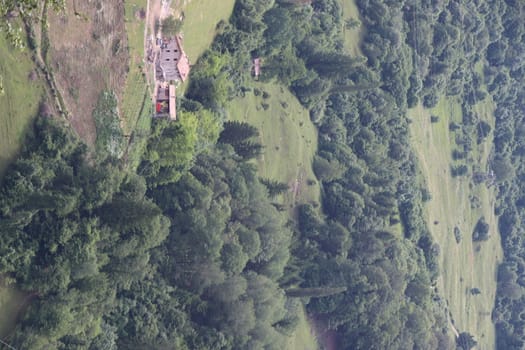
19 104
467 264
11 304
352 36
136 87
200 21
18 107
289 137
136 104
302 339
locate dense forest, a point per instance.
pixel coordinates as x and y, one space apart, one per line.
188 251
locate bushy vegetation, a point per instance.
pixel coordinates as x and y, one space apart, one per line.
110 139
109 261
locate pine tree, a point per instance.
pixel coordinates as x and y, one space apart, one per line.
248 149
236 132
274 187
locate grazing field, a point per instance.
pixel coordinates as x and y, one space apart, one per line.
352 36
289 137
458 202
19 103
200 21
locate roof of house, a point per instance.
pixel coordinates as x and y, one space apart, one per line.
169 57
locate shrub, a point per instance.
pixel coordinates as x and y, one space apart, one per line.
481 230
457 234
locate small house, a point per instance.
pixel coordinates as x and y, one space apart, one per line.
166 102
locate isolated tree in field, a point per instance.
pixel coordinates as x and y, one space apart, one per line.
466 341
274 187
171 26
235 132
248 149
352 23
481 230
459 170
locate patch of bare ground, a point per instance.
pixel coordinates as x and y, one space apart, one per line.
88 54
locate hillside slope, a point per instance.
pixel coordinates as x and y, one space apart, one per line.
458 203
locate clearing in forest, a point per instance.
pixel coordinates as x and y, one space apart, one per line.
352 32
289 138
458 202
303 337
22 92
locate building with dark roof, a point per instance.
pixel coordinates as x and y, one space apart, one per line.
173 61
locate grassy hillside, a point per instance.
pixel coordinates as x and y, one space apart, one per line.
289 137
457 202
20 102
200 21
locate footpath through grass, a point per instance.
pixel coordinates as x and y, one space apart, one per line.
457 202
289 137
19 103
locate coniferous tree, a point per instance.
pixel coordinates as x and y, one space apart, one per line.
235 132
